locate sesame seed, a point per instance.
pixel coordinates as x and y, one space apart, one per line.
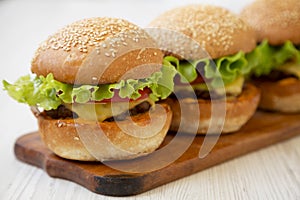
55 46
94 78
66 48
61 124
52 40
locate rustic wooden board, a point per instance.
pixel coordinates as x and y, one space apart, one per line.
262 130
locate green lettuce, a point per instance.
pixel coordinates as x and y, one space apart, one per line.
48 93
225 69
264 58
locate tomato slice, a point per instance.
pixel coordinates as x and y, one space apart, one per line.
116 98
198 80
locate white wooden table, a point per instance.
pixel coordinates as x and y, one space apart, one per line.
271 173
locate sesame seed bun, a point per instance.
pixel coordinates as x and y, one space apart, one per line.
98 51
276 21
218 31
62 136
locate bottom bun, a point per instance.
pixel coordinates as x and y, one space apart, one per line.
238 111
62 137
282 96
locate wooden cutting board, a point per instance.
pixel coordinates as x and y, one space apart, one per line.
262 130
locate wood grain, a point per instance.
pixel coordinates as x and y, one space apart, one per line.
262 130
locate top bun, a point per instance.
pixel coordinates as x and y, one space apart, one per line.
215 30
98 51
274 20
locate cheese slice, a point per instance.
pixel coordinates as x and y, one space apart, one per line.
290 68
102 111
235 88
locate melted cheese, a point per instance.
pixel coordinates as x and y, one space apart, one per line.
290 68
235 88
102 111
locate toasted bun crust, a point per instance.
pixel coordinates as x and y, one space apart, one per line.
276 21
283 95
238 111
217 31
98 51
62 137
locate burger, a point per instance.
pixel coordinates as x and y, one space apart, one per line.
92 81
276 60
208 46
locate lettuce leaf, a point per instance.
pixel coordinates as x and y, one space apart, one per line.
264 58
48 93
225 69
162 88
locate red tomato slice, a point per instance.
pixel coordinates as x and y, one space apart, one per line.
198 80
116 98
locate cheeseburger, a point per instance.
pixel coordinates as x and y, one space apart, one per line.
207 45
92 80
276 60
